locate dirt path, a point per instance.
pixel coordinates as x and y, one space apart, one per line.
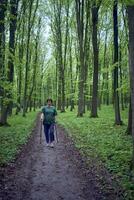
44 173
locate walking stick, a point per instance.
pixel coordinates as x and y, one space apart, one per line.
55 131
40 131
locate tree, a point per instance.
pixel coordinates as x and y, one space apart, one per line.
35 64
116 60
71 74
130 10
87 37
3 8
20 44
95 9
60 32
80 32
65 55
13 25
31 19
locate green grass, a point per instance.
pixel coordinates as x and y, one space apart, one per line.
11 138
99 137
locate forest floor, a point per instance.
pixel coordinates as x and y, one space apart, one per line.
59 173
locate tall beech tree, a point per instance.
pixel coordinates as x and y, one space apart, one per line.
31 20
116 64
20 57
87 54
3 8
13 26
80 32
95 9
130 10
59 51
35 64
65 53
60 32
71 74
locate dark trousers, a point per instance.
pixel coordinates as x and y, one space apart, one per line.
49 132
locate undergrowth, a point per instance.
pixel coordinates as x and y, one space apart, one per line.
11 138
100 137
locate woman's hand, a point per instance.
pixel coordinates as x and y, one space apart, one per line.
42 117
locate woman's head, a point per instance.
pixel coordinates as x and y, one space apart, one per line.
49 101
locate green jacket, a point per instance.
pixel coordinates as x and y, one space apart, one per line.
49 114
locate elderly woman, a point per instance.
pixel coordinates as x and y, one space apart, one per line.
48 118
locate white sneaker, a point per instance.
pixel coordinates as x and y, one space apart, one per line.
52 145
47 144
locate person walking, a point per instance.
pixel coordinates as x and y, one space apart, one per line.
48 120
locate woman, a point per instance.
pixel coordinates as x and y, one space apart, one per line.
48 118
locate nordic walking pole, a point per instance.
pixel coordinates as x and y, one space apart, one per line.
40 131
56 135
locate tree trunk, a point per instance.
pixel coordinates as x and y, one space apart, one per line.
3 8
104 80
116 93
29 28
27 60
56 25
64 62
21 55
95 61
130 10
129 127
107 86
80 31
86 53
71 75
10 74
121 74
19 81
35 64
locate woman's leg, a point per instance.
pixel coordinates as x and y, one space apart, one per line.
46 131
51 133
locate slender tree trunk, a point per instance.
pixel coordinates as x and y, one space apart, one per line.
59 54
102 94
10 74
121 74
107 86
34 100
95 61
56 80
130 10
21 55
64 61
35 64
19 81
129 127
27 60
71 76
59 93
60 75
80 31
86 52
116 93
41 87
3 8
29 28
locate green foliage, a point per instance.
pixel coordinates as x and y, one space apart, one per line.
129 2
100 138
11 138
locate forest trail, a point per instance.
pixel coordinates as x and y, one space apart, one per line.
44 173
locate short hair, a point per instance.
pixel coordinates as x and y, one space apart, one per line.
49 99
